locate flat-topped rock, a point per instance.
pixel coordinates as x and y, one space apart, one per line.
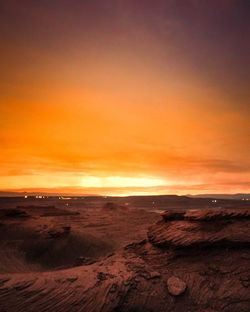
216 214
202 227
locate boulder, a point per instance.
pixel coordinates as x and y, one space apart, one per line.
176 286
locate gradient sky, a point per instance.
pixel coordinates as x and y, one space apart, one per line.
125 97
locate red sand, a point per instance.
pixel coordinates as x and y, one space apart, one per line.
106 259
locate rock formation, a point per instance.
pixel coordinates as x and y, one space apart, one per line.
199 228
192 261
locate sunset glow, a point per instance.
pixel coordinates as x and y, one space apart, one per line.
121 182
124 97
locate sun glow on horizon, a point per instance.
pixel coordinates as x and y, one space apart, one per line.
118 181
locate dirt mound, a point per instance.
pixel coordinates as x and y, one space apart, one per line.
113 207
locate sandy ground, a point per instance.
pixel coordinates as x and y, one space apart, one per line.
112 256
51 238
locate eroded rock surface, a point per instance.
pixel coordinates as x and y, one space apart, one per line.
192 261
226 227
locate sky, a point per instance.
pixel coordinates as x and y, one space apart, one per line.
120 97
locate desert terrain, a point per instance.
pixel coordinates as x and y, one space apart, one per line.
145 253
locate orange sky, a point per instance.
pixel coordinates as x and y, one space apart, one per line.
120 98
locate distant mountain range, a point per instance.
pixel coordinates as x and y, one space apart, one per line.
222 196
22 194
240 196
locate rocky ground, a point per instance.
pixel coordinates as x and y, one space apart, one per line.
122 259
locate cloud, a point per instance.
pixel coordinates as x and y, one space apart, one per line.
158 89
226 187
